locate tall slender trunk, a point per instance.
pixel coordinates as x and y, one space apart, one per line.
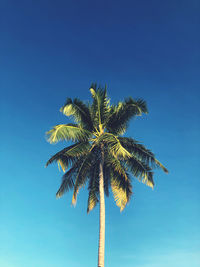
101 251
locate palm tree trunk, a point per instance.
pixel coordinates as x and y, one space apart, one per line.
101 216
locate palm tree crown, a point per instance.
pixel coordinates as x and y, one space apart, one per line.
98 134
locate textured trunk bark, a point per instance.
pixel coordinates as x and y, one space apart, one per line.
101 217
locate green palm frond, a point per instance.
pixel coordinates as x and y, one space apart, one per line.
116 165
141 152
158 163
119 195
93 188
83 172
123 112
92 200
141 171
69 132
66 156
68 179
114 145
79 111
100 106
121 189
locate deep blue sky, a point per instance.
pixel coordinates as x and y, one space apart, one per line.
51 50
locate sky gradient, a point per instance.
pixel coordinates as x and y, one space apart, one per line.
51 50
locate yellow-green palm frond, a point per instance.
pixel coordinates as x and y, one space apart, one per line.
79 111
114 145
121 189
62 165
100 107
71 132
68 155
148 179
141 152
80 149
141 171
92 200
116 165
119 195
123 112
93 188
158 163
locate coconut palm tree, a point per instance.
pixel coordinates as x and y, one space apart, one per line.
100 156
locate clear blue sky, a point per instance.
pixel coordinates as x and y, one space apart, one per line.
51 50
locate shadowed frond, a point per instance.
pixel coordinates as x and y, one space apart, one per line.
100 107
84 172
67 155
68 179
114 145
116 165
141 171
92 199
122 190
93 188
141 152
79 111
123 112
70 132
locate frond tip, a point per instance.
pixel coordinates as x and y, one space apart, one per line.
92 200
161 166
119 195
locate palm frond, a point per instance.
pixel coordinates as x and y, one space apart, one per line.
116 165
68 155
141 152
68 179
158 163
83 172
67 132
93 188
123 112
100 106
79 111
114 145
121 189
141 171
92 200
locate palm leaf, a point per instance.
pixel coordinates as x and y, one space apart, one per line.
68 155
116 165
83 172
70 132
68 179
100 107
114 145
123 112
93 188
141 171
121 189
141 152
79 111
